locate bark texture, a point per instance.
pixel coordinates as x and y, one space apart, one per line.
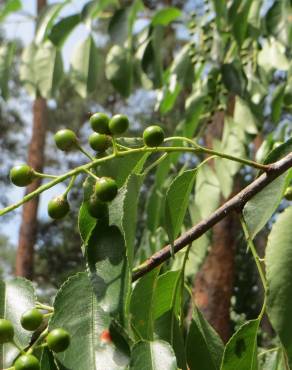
213 285
28 228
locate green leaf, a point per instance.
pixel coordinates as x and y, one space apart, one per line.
141 306
151 60
239 19
272 56
204 346
76 309
6 57
123 212
198 250
244 117
84 67
165 294
48 66
220 11
277 102
61 30
46 20
278 272
167 328
118 28
261 207
241 350
165 16
232 78
108 267
176 202
119 69
120 168
194 107
92 9
279 152
27 69
121 23
277 21
180 74
273 360
207 192
16 297
154 355
47 360
9 7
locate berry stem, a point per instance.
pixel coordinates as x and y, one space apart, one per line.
71 184
42 306
41 337
97 161
45 175
115 148
85 152
181 138
91 174
154 164
254 252
247 162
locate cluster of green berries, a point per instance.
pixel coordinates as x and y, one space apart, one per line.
57 340
105 190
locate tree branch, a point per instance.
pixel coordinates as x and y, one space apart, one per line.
234 204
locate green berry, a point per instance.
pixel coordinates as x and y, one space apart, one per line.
99 142
99 123
27 362
96 208
31 319
118 124
153 136
22 175
288 193
106 189
66 140
6 331
58 207
58 340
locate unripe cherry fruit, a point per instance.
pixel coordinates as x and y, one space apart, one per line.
58 340
118 124
66 140
99 123
22 175
96 208
6 331
153 136
31 319
106 189
58 207
99 142
27 362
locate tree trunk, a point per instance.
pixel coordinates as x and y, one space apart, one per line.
28 228
213 285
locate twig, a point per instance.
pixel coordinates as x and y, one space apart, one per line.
234 204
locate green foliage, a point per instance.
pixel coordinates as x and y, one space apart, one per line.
278 274
212 84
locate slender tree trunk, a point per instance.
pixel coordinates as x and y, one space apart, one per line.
213 285
28 228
